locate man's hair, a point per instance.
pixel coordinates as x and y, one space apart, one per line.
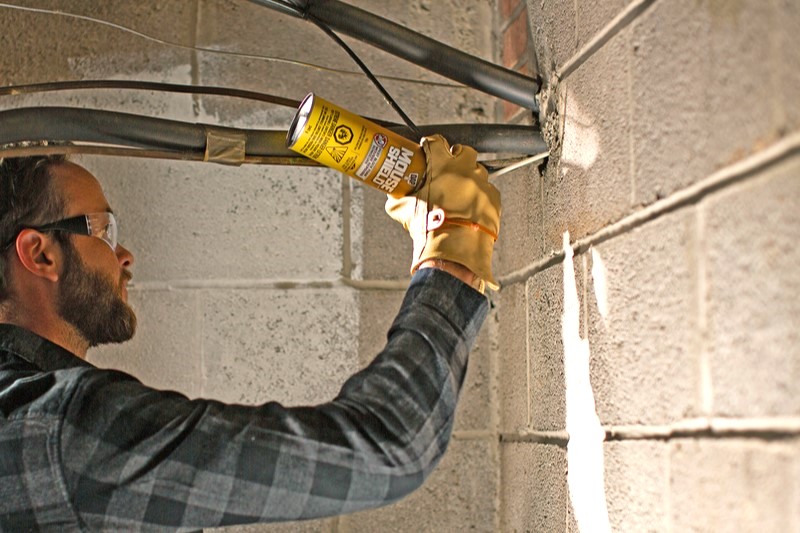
27 198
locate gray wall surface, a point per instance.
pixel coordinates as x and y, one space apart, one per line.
678 165
675 160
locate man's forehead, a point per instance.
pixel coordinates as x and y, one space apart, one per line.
81 191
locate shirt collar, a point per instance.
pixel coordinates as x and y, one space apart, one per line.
37 350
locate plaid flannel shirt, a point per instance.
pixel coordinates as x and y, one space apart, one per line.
87 449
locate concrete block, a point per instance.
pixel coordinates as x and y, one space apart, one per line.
165 352
453 499
670 114
590 186
199 221
787 61
694 64
546 348
296 347
241 27
512 357
742 61
732 485
637 482
326 525
645 366
520 240
378 310
533 488
475 411
795 521
552 26
279 47
594 15
75 45
384 250
753 309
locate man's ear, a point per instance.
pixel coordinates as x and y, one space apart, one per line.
38 253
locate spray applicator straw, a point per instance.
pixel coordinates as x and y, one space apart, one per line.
519 164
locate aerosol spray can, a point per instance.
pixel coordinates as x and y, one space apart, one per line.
358 147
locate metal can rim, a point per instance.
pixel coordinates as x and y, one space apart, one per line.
299 120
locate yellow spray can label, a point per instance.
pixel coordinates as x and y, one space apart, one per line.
358 147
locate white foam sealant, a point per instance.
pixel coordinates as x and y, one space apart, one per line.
586 435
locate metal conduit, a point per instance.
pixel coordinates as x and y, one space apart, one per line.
416 48
162 135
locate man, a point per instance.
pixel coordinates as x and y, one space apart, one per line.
83 448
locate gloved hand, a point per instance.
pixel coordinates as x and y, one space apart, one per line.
456 214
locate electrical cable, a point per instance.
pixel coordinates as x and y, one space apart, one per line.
388 97
13 90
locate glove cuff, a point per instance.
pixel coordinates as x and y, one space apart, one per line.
463 245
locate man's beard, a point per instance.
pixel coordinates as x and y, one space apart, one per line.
93 304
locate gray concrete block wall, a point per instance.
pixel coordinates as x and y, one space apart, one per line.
678 165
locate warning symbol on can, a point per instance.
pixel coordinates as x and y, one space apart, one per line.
336 152
343 135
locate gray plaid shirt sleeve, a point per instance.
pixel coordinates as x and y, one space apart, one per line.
139 459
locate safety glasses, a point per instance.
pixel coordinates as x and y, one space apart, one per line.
101 225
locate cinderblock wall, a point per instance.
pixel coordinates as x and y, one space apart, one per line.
677 163
675 137
259 283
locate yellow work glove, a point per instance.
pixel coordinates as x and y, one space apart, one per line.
456 214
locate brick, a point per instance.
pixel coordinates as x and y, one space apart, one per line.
596 143
453 499
533 489
512 357
165 352
552 26
594 15
546 348
520 240
637 481
264 212
515 41
507 8
753 308
645 366
670 113
732 485
295 347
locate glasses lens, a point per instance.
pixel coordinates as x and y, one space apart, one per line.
104 226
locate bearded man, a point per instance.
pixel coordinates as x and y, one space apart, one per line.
89 449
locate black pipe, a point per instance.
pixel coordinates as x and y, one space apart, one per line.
417 48
124 129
